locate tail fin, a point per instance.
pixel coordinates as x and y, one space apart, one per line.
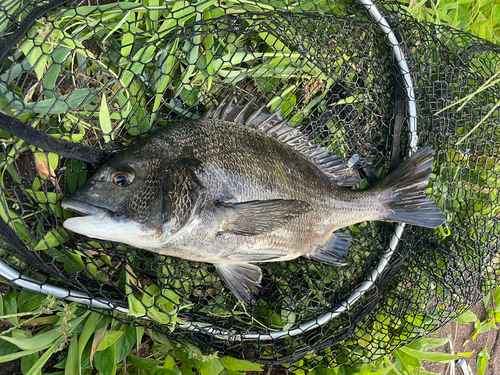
403 192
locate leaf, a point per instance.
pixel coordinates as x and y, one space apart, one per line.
39 342
51 76
139 332
125 343
98 336
484 328
239 364
73 361
45 320
50 240
10 303
169 363
365 369
164 371
46 164
231 372
88 330
466 318
28 302
143 363
10 10
406 359
104 322
486 300
13 356
104 361
28 361
212 367
495 12
482 361
385 371
45 357
186 369
430 356
104 119
56 106
44 340
496 298
274 42
186 357
431 343
42 196
109 339
7 348
162 339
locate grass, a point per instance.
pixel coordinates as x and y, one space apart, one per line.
477 17
127 92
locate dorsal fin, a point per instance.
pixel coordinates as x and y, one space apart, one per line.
273 124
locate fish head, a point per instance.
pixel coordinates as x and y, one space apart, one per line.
123 201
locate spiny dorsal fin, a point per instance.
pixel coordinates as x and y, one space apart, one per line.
272 124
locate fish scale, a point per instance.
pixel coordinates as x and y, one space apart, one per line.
238 193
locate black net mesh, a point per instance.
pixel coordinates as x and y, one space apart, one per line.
102 74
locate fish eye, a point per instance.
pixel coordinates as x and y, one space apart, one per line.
122 178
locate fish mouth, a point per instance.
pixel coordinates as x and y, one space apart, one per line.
84 209
102 224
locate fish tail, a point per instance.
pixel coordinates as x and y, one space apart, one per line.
402 193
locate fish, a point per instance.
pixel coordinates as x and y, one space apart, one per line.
239 186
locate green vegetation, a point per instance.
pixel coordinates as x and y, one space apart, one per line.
73 339
478 17
90 340
145 63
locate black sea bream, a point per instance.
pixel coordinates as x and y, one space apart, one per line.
239 187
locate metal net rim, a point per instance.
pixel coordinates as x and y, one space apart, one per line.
14 276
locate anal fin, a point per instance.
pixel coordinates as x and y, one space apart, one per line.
334 251
242 278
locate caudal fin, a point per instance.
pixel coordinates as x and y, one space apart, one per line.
403 192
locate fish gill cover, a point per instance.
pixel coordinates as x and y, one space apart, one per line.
366 82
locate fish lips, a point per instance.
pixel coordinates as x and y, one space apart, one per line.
102 224
85 209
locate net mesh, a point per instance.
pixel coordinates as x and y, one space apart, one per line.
103 74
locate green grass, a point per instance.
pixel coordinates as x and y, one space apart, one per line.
139 53
478 17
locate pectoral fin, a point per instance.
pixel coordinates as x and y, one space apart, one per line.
334 251
255 217
242 278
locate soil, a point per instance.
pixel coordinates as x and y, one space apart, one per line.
11 368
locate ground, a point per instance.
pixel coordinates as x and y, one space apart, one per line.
462 332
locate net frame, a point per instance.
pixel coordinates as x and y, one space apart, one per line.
14 276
